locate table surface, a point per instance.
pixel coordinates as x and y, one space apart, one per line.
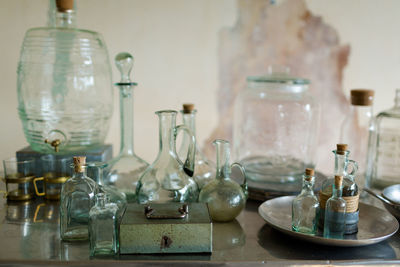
29 234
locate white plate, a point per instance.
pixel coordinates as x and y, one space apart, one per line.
375 225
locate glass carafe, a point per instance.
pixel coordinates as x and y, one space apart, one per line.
383 166
126 168
225 198
168 179
64 85
204 169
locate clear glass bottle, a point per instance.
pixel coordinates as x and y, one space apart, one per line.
168 179
64 85
335 212
384 148
126 168
275 129
342 164
96 171
103 227
225 198
77 198
356 127
305 207
203 171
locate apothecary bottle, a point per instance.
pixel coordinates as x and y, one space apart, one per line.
77 198
275 129
356 127
204 168
126 168
168 179
225 198
103 227
64 85
335 212
384 148
305 207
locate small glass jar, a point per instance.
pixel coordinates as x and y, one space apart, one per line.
19 179
275 130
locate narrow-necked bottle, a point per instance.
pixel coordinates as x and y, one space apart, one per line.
77 198
103 227
127 167
204 170
335 212
168 179
305 207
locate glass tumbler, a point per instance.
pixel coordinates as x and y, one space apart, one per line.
56 171
18 177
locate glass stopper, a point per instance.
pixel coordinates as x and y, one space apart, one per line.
124 63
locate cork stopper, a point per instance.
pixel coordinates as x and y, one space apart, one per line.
341 149
362 97
188 108
338 181
64 5
309 172
79 163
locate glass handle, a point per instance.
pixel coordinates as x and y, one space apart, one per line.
244 184
354 167
36 189
188 166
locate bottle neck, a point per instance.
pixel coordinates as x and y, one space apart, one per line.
79 173
101 200
126 113
308 184
223 156
189 120
340 163
362 114
336 192
65 19
167 123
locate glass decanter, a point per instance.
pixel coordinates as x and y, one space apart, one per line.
96 171
383 166
126 168
335 212
203 172
356 127
225 198
77 198
342 164
64 84
305 207
168 179
103 227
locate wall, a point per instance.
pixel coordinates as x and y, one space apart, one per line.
175 42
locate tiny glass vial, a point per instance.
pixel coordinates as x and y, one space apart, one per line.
305 207
77 198
103 227
335 212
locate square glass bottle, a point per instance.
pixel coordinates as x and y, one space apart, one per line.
103 227
77 198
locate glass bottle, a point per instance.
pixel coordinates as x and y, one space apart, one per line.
103 227
384 148
77 198
126 168
96 171
64 84
225 198
168 179
335 212
305 207
203 172
355 128
342 164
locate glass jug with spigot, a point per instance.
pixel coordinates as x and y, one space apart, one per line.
168 179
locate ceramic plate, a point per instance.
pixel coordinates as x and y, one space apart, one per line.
375 224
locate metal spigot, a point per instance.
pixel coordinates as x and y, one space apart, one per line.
55 143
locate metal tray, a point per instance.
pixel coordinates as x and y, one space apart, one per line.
375 224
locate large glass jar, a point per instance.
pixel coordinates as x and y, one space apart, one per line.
64 85
275 131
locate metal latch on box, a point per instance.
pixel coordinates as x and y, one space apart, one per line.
182 213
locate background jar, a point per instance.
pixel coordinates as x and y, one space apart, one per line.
275 132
